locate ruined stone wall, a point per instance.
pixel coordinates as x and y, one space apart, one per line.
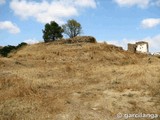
132 47
142 47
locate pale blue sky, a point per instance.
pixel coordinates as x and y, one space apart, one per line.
114 21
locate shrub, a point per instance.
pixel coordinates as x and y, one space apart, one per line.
7 49
21 44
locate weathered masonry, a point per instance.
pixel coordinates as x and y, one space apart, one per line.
141 47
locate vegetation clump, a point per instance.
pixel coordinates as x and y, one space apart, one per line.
52 32
7 49
72 28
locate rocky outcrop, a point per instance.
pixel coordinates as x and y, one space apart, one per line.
77 39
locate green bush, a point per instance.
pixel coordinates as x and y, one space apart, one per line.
8 49
21 44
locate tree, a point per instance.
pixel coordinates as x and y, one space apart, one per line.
52 32
72 28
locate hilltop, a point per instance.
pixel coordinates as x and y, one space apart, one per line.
77 81
78 49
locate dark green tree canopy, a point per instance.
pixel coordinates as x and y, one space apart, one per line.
52 31
8 49
72 28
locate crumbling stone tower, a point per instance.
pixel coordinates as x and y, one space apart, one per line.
141 47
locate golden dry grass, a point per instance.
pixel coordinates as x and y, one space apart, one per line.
77 82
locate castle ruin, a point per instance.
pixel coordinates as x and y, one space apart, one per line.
139 47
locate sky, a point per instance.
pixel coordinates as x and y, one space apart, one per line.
117 22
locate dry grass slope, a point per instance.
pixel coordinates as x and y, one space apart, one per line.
90 81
